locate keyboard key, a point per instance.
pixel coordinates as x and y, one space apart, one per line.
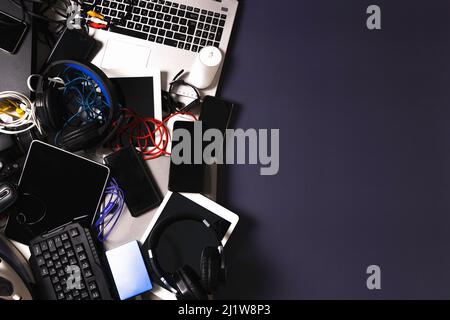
191 15
198 33
196 40
161 32
127 32
194 48
181 13
209 43
205 34
196 10
191 26
158 7
51 271
144 12
167 26
138 27
211 36
95 294
167 18
49 263
60 296
70 253
121 7
58 242
40 261
165 9
82 256
190 38
207 27
210 13
219 34
142 4
187 47
169 34
180 45
44 271
223 16
84 294
61 273
44 246
74 233
180 36
173 11
152 22
150 5
202 18
183 29
154 30
67 245
47 256
58 264
136 18
55 256
58 287
73 261
79 248
144 20
84 265
151 38
64 260
136 10
183 7
222 23
146 29
175 27
61 251
152 14
208 19
183 22
215 21
175 19
51 245
216 15
105 3
159 24
159 40
37 250
113 13
87 273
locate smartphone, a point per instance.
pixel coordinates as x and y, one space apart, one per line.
187 176
12 32
134 178
72 45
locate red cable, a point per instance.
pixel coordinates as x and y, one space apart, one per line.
142 136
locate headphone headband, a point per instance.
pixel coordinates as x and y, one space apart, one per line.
158 231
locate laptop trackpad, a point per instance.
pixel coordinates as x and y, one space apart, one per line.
122 54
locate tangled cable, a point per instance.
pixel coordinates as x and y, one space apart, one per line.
86 99
110 210
150 136
17 113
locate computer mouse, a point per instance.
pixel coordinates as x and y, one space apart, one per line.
8 195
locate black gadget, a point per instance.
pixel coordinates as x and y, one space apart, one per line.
185 282
13 31
134 178
72 45
55 187
186 177
53 106
67 265
8 196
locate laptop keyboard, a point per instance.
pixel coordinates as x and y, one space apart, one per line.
165 22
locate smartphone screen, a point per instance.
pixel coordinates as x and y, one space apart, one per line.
12 31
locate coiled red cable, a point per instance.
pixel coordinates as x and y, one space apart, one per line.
151 143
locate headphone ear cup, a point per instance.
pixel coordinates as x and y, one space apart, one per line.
78 138
210 269
189 285
53 108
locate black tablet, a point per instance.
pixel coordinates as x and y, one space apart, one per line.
55 187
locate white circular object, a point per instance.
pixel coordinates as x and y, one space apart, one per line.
205 67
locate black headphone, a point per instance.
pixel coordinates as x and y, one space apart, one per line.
185 283
50 106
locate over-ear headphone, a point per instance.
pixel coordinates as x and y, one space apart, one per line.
51 109
185 283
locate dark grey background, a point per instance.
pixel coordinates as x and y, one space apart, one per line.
364 175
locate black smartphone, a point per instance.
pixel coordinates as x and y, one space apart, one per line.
12 32
216 113
187 176
135 179
72 45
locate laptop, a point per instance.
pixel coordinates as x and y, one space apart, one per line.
163 35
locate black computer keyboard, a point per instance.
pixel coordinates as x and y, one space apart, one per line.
165 22
55 258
